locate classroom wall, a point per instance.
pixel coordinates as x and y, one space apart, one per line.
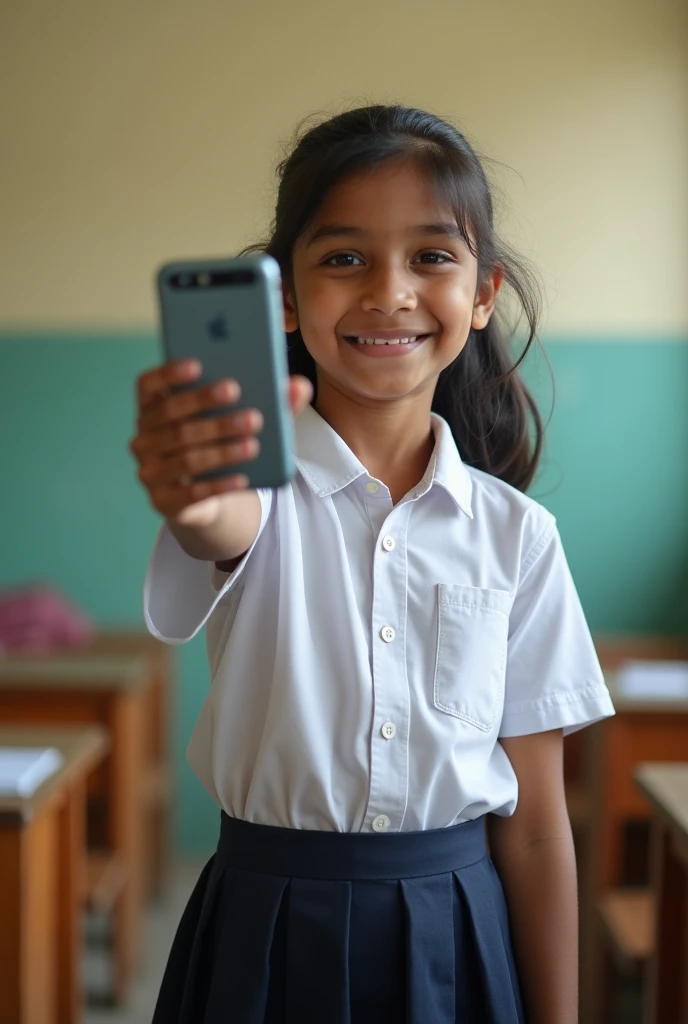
133 133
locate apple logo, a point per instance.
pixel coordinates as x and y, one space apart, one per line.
217 329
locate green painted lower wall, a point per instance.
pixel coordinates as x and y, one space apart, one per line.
615 473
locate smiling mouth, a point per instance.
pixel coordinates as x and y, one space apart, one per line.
407 340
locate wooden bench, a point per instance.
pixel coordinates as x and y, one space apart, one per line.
627 916
104 880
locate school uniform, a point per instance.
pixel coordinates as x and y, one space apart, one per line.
365 660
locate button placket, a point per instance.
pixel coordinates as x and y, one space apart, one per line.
389 745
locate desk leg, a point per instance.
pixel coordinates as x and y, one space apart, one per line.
157 812
606 752
665 990
12 889
31 916
684 1017
125 826
71 868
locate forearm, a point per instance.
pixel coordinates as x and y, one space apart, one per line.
541 891
226 532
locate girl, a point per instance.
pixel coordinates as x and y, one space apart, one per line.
396 645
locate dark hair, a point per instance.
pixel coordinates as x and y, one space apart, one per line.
493 417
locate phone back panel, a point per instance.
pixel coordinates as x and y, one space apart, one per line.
236 329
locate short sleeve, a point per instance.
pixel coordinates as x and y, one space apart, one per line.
181 592
553 676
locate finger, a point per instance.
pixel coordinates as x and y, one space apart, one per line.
300 393
161 379
186 404
171 499
198 432
181 468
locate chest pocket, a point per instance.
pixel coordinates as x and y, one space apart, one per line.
472 633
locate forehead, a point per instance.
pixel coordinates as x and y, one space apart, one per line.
392 196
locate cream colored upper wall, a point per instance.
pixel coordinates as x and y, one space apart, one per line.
139 131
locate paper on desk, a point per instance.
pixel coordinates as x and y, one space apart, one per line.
23 769
658 680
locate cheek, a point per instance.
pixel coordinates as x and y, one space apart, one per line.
321 308
454 305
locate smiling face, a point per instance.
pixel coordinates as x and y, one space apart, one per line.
385 291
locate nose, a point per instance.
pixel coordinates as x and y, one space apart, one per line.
388 289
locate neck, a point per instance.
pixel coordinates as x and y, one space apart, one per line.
393 440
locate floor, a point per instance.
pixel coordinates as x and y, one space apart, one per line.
161 924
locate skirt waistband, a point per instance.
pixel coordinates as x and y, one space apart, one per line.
300 853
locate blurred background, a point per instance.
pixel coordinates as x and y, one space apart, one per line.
134 133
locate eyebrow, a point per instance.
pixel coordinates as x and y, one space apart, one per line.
342 230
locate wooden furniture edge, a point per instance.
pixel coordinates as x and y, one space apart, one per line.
83 748
643 778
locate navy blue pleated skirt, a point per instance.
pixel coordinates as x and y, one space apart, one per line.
296 926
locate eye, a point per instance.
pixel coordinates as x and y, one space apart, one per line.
435 257
341 259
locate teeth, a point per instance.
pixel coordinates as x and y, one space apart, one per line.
384 341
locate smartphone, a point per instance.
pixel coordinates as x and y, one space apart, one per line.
228 314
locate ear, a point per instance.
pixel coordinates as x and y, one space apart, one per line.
291 316
486 298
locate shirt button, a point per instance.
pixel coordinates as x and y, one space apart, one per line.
387 633
372 487
381 823
388 543
388 730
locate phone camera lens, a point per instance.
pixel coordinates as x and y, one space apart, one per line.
203 279
184 280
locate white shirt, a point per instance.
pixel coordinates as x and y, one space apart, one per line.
366 657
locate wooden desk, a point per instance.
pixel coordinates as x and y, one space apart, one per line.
110 691
42 860
156 788
666 995
640 731
612 650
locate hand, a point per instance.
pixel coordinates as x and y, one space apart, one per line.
172 445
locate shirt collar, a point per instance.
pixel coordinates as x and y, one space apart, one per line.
447 469
327 464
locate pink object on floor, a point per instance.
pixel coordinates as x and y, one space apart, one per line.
38 620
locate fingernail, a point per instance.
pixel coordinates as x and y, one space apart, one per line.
224 391
252 421
237 483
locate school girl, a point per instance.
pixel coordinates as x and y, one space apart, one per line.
396 645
